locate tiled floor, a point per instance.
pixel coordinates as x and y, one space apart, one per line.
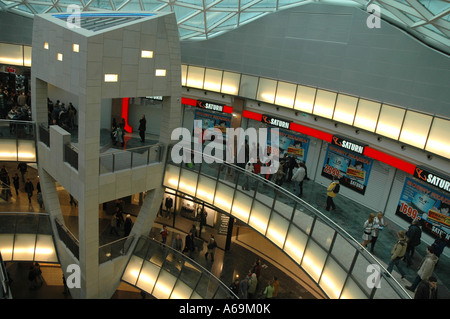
236 261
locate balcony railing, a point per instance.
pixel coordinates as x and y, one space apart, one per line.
17 139
130 158
327 253
114 249
71 155
44 135
167 273
68 238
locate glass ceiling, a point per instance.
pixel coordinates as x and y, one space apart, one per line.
428 20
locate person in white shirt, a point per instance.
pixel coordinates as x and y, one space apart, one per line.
299 176
379 224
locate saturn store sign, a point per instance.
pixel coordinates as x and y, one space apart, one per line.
432 179
210 106
275 122
349 145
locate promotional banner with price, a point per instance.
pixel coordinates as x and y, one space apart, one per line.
421 201
352 169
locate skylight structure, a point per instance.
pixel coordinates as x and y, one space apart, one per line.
428 20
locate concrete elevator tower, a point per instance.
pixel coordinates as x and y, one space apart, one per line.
96 59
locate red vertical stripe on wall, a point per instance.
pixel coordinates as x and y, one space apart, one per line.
125 105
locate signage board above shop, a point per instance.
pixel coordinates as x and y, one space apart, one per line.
347 144
275 121
432 179
207 105
210 106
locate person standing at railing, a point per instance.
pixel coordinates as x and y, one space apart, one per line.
250 169
142 128
127 225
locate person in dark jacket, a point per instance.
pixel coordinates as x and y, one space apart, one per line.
142 128
29 188
439 244
427 289
413 235
127 225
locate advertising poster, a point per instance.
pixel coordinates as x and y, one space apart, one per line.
209 119
419 200
353 169
290 143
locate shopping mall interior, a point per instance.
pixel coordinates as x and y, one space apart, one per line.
96 198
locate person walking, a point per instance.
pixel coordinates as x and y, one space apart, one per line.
332 191
16 181
177 243
211 248
29 188
413 234
397 253
299 177
252 283
189 245
268 291
114 222
368 228
425 270
427 289
379 224
164 233
142 128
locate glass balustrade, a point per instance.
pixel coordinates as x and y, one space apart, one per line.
27 237
17 141
133 157
326 252
166 273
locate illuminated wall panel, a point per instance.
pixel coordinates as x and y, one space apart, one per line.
24 247
213 80
266 90
367 115
27 56
438 140
285 94
304 100
230 83
415 129
390 121
324 104
11 54
195 77
345 109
